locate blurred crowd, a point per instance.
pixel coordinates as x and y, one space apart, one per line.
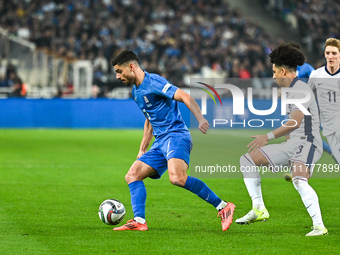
11 82
314 20
171 37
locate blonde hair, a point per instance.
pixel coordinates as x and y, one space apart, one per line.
333 42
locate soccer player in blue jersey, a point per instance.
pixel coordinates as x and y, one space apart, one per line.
304 71
157 99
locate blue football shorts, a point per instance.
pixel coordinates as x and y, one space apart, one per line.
172 145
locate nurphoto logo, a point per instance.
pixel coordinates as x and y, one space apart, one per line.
238 99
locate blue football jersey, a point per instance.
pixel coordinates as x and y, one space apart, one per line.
155 98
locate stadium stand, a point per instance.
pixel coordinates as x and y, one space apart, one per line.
173 38
178 39
313 20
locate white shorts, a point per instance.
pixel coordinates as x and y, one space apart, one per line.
334 143
294 150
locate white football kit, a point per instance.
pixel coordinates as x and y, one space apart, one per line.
305 143
327 87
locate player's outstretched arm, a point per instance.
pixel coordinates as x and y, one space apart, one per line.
290 125
181 96
147 137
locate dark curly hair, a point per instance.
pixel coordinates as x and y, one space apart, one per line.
288 56
124 57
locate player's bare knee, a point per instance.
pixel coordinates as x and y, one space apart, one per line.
131 176
177 180
128 178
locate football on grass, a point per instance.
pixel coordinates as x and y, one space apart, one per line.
111 211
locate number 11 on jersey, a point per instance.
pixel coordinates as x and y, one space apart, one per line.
330 96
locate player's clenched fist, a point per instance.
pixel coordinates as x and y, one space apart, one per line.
203 125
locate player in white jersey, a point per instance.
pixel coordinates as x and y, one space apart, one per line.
302 149
326 82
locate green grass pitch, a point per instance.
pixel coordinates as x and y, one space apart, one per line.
52 182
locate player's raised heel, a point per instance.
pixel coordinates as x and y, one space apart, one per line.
226 215
132 225
318 231
254 215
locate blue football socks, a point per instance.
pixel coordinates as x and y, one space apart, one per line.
138 198
202 190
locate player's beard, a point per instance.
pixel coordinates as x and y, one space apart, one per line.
129 81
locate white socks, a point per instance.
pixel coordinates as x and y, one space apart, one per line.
309 199
252 180
221 205
140 220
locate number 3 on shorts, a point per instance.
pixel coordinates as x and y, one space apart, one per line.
299 149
